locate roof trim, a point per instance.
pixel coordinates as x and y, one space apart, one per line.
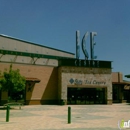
2 35
127 76
32 79
122 83
18 53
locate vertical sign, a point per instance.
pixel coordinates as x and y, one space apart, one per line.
77 44
92 43
84 46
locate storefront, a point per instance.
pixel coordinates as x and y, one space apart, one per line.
87 95
63 78
121 88
85 85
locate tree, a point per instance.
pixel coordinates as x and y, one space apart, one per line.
12 82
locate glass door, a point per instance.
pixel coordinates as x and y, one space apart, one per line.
86 95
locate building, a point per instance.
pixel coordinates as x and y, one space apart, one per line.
121 88
56 77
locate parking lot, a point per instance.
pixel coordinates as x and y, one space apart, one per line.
54 117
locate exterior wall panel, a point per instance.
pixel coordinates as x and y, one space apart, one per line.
117 77
7 43
43 92
84 77
28 60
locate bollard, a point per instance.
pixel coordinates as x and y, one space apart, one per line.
69 115
7 113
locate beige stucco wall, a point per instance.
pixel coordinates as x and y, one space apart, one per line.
87 77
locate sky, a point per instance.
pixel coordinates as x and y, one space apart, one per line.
54 23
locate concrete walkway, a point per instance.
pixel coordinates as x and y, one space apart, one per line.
53 117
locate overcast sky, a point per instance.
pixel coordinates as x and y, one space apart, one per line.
54 23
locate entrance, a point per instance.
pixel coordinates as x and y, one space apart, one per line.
86 95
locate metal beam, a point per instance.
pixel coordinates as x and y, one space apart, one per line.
33 55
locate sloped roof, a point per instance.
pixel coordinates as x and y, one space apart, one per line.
9 37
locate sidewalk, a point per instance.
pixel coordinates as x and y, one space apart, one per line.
53 117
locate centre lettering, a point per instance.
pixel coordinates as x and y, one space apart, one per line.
86 63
